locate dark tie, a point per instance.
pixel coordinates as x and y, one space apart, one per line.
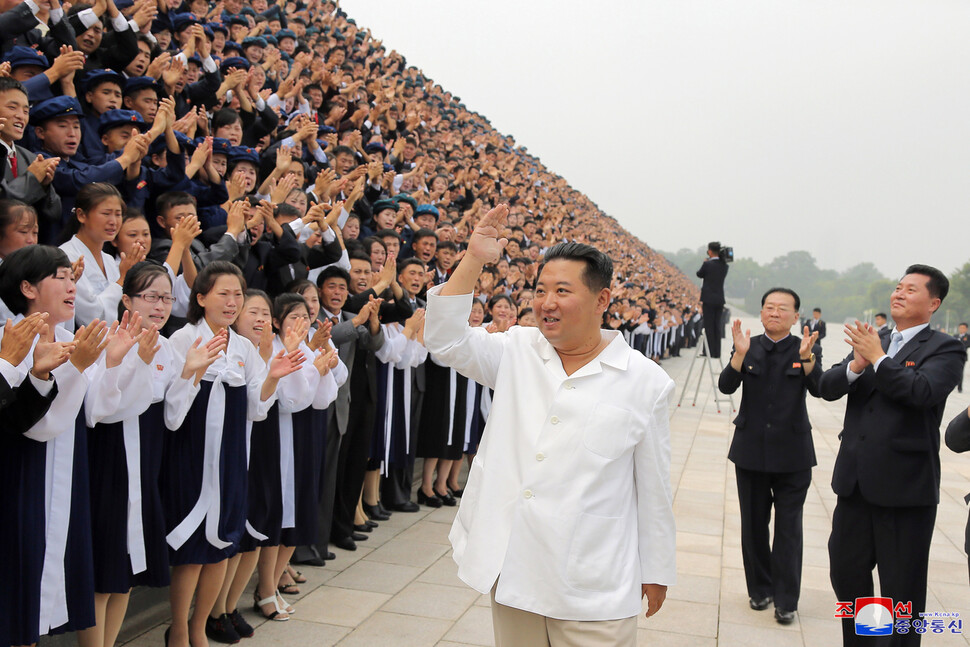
13 163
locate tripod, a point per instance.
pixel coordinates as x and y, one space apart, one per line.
706 366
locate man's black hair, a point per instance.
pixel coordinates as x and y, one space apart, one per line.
387 233
358 255
8 83
447 244
794 295
882 314
937 285
423 233
408 262
818 310
598 273
330 272
714 246
343 150
33 264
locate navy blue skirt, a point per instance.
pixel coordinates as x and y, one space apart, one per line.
309 457
109 504
22 541
181 479
78 556
265 487
377 441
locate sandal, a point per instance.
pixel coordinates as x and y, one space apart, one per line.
286 606
289 589
277 613
297 576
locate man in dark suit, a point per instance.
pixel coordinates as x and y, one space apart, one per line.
772 448
887 472
882 324
713 271
815 324
964 338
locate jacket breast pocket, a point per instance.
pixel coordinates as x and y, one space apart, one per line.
607 430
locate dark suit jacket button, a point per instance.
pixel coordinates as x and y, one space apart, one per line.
862 437
768 426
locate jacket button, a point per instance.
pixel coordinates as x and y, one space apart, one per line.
554 420
527 494
540 457
862 437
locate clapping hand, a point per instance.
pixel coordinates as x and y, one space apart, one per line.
49 354
199 358
19 337
742 341
484 244
865 343
808 342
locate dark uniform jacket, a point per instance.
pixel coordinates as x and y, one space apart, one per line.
772 431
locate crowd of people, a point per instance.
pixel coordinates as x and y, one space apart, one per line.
218 225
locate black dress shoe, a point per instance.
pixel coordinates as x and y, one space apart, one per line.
371 524
374 512
760 605
407 506
431 501
221 630
307 556
331 556
345 543
384 511
363 527
447 499
358 537
784 617
457 493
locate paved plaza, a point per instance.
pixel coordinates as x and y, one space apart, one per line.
400 588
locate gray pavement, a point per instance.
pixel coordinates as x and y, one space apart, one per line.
400 588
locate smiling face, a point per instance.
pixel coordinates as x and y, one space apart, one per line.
53 295
15 108
778 314
567 312
223 302
102 222
911 304
157 313
60 135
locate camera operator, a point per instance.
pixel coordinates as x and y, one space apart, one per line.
713 271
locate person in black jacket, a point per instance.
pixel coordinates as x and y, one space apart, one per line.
887 472
713 271
958 440
772 447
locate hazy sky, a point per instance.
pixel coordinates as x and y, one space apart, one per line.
839 127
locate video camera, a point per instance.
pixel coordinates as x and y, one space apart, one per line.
726 254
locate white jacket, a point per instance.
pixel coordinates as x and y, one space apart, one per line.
569 496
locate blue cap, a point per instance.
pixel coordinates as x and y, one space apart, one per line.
57 107
195 58
124 4
238 20
404 197
136 83
381 205
184 20
186 145
220 146
208 32
231 46
237 62
19 55
250 41
243 154
375 147
427 208
94 78
324 129
161 23
218 26
114 118
285 33
270 39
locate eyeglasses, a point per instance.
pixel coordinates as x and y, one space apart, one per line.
151 297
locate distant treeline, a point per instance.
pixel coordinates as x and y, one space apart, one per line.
858 292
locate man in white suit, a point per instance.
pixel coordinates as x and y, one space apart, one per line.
566 517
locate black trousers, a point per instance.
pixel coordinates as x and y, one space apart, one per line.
713 327
351 465
773 570
894 540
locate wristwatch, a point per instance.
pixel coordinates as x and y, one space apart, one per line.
809 359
